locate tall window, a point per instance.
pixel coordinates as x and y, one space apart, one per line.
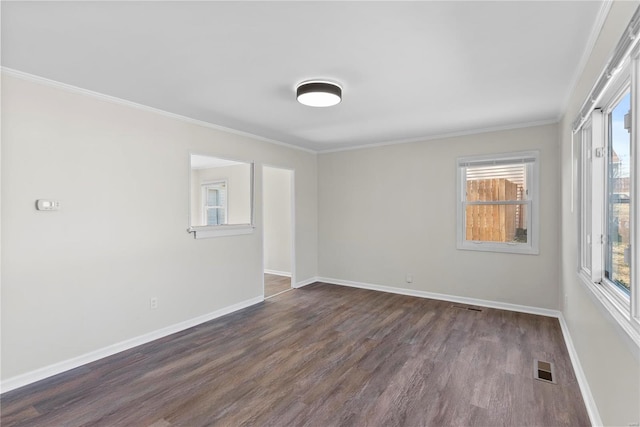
618 195
586 178
606 192
498 203
214 196
608 205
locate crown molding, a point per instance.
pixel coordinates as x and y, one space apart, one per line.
108 98
586 54
115 100
477 131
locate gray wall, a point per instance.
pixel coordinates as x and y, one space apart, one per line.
611 364
78 280
277 219
388 211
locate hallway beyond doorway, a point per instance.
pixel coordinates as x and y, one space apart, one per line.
274 284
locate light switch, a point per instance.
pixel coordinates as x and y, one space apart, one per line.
47 205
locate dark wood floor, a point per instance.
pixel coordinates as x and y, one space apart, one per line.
323 355
273 284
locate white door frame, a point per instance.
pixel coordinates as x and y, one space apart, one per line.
292 201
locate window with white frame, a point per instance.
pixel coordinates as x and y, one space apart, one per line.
586 179
498 202
214 197
608 207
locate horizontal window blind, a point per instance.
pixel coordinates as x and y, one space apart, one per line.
514 173
496 162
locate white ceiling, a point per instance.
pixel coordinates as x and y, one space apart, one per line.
409 70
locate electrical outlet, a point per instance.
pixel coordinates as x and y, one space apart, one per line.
566 302
409 278
153 303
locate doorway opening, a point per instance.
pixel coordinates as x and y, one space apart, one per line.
278 227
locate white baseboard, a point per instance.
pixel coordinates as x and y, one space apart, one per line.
444 297
306 282
278 273
589 401
66 365
57 368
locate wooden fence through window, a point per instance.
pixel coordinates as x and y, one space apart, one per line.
494 223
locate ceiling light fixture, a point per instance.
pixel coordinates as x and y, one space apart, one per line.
318 93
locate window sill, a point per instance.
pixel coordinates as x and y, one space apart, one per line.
210 231
619 312
512 248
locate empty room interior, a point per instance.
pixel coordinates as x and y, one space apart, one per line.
323 213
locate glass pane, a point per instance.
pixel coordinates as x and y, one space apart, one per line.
618 256
497 223
215 216
222 195
212 197
494 183
585 215
212 216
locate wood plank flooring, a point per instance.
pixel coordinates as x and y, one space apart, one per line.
274 284
322 355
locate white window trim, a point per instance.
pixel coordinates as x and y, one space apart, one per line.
203 195
625 311
585 236
634 213
208 231
613 291
532 201
219 230
619 312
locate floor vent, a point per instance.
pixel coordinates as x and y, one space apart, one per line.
544 371
464 307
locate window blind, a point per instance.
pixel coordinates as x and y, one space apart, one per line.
496 162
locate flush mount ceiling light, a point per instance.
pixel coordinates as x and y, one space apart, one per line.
318 93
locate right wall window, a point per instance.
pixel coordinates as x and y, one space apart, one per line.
617 251
608 202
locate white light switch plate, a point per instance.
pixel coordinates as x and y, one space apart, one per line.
47 205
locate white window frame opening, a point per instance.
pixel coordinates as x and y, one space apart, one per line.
600 198
528 201
220 186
